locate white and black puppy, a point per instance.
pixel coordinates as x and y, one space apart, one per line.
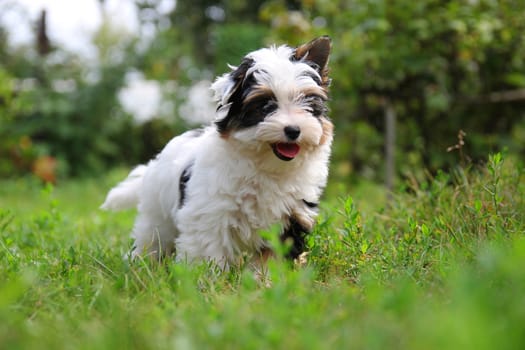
263 161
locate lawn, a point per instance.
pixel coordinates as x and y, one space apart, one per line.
441 267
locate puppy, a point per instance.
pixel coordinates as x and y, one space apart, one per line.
263 161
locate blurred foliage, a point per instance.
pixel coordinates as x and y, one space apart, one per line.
61 114
437 62
444 66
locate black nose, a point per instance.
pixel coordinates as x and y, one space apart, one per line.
292 131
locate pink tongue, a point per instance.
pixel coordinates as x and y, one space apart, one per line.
289 150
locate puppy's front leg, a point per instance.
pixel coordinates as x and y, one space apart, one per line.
296 234
300 224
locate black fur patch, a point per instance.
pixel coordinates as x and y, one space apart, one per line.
297 234
255 111
241 86
310 205
184 178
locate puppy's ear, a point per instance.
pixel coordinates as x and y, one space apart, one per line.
228 93
316 51
226 85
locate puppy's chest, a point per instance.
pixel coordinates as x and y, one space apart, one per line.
263 204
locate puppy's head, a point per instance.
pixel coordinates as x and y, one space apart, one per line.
274 102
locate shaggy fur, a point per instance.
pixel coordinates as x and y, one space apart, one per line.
263 161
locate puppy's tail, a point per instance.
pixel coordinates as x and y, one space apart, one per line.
125 194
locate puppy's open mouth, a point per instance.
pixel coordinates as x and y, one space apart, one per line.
285 151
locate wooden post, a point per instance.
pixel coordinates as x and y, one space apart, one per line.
390 140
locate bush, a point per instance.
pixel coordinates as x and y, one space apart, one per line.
447 215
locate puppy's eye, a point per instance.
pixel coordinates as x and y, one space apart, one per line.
316 112
269 107
316 105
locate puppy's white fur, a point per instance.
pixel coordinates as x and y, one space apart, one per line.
237 186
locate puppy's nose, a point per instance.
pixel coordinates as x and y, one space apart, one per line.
292 132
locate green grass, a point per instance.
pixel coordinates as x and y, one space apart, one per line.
441 267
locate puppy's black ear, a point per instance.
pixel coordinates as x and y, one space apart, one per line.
226 85
317 52
228 92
